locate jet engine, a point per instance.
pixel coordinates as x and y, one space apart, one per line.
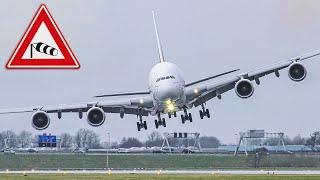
96 116
244 88
40 120
297 72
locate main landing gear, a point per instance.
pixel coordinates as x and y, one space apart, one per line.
160 122
186 116
141 124
204 112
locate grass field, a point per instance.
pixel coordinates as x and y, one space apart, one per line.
158 161
152 161
158 177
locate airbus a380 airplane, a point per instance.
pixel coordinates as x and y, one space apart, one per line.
168 93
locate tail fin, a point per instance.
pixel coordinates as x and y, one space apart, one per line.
158 39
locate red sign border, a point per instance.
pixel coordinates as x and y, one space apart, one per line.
76 64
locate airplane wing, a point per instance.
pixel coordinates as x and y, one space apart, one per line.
124 94
211 77
137 106
197 95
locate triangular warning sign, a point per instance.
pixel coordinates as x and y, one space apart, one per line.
43 46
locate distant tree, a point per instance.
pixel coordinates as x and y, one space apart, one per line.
209 142
154 139
93 140
287 140
313 140
154 136
130 142
10 138
271 141
114 145
2 139
87 139
66 140
298 140
175 142
24 139
79 138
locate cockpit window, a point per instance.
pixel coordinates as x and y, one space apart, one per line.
163 78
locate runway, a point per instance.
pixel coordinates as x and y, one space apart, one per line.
213 172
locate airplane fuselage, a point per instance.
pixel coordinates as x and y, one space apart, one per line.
166 85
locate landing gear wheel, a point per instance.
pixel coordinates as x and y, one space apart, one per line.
169 114
156 123
175 114
164 122
208 113
182 119
145 125
201 114
138 126
190 117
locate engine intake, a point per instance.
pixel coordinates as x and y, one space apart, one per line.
244 88
297 72
40 120
96 116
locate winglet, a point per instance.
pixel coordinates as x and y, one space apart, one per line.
158 39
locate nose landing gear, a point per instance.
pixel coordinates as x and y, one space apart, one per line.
204 112
170 114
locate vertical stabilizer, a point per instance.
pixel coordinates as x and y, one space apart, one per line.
158 39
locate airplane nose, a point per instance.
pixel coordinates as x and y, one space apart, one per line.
168 92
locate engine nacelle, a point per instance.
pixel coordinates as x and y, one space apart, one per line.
297 72
40 120
244 88
96 116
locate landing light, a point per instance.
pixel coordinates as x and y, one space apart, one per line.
196 91
141 101
170 107
168 102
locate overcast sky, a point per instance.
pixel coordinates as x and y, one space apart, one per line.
115 44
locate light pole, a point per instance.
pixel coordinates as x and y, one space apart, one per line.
108 150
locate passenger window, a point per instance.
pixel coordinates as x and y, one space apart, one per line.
158 80
168 77
163 78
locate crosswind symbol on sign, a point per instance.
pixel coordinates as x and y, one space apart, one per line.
43 48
